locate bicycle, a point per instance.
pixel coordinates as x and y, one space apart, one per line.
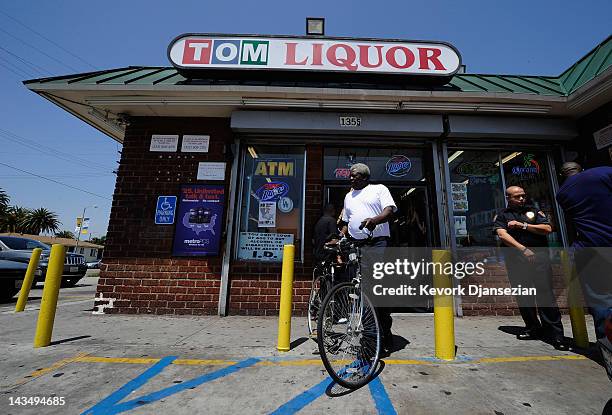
323 279
348 331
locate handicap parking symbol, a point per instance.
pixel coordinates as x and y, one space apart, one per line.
165 210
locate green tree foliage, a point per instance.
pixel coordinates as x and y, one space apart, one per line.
4 201
98 241
40 220
12 218
65 234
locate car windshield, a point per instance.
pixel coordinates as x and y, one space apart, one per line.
23 243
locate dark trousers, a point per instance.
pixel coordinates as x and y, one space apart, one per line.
384 313
538 275
593 266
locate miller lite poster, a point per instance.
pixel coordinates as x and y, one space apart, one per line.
199 220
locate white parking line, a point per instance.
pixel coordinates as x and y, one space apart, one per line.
59 305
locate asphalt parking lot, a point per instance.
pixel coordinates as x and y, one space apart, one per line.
109 364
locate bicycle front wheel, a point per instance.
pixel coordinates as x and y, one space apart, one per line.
348 334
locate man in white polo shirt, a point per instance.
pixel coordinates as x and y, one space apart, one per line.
369 206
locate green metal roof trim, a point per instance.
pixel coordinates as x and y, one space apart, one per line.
590 66
133 75
586 69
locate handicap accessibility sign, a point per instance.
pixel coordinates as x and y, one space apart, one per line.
166 208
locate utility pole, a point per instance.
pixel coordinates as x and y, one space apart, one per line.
81 227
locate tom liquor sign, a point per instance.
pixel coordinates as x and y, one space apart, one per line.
192 51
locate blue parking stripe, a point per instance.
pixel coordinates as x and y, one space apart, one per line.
110 406
106 403
299 402
381 398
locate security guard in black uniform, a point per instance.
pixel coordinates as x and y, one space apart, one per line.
521 227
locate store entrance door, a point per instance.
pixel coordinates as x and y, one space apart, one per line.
411 224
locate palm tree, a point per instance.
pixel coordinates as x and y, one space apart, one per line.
11 219
40 220
98 241
4 201
64 234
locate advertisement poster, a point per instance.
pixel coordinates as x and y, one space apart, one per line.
459 197
267 215
199 220
263 246
461 226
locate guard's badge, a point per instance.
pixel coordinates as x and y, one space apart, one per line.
530 215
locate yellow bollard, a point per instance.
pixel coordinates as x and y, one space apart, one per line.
574 300
48 305
27 281
286 300
444 312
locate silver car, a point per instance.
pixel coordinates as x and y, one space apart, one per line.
14 248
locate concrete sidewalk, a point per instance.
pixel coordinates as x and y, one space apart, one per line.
185 365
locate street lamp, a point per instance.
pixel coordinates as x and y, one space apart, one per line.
81 227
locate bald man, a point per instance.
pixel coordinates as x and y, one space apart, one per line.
522 229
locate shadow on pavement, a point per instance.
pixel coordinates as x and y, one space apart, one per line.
71 339
591 353
297 342
399 343
334 390
514 330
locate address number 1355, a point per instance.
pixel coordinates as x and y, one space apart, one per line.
350 121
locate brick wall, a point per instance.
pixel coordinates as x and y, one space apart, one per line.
496 276
139 271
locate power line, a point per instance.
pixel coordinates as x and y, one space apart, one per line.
28 63
22 70
12 70
40 51
49 40
54 181
7 135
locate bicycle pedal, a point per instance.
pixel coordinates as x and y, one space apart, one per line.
342 320
354 296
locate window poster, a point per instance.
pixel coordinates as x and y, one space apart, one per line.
459 197
461 226
199 220
267 215
262 246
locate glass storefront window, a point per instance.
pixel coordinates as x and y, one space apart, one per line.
478 183
272 202
529 170
476 194
386 165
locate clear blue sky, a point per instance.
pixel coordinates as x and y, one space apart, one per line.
518 37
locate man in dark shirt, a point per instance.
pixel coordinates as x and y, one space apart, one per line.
521 227
324 227
586 199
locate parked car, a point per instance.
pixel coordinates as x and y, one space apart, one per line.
12 274
19 249
94 264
